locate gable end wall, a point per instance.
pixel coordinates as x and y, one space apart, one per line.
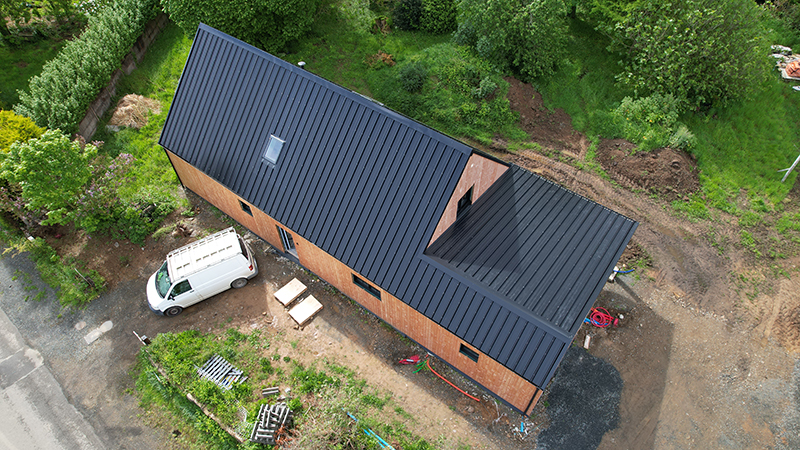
479 173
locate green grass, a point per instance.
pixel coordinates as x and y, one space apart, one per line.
156 77
20 64
743 145
584 85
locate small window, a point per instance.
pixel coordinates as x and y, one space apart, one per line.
468 352
464 202
181 288
372 290
273 150
245 207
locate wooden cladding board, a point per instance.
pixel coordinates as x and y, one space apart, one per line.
489 373
479 174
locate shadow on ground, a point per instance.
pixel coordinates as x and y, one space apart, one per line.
610 396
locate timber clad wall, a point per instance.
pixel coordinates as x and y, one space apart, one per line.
512 388
479 174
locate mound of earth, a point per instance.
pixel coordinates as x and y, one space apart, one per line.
665 171
132 111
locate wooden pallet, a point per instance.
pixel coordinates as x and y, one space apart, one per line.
220 372
270 419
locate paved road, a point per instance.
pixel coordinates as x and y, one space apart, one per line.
36 413
78 393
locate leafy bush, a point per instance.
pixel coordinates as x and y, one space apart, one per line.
406 14
527 37
714 53
652 122
15 128
45 176
268 24
137 217
412 76
438 16
59 97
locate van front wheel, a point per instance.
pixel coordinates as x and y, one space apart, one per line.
239 283
173 311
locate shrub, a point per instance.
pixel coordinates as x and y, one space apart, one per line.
526 37
714 53
412 76
438 16
14 128
407 13
46 175
652 122
268 24
59 97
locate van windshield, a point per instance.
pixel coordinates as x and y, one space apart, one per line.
162 280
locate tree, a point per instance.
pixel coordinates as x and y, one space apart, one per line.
15 10
527 36
47 175
703 51
15 128
267 24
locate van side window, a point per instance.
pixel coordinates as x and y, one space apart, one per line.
181 287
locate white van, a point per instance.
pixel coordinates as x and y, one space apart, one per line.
200 270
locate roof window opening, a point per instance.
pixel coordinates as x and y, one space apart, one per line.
273 150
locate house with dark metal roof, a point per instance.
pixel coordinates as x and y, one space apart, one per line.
488 266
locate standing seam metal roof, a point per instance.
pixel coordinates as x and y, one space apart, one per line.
368 186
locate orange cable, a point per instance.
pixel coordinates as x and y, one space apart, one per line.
451 384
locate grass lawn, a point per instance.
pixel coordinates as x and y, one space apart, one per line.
20 64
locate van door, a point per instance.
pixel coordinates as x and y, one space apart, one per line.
183 294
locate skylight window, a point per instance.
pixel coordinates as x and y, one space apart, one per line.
273 149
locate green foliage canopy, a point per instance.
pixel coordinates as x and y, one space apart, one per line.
50 172
59 97
703 51
267 24
15 128
527 36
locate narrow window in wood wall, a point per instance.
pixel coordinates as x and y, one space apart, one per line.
245 207
372 290
464 202
468 352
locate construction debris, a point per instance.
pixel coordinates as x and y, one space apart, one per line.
271 422
221 372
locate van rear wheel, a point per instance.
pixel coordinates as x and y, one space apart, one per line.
173 311
239 283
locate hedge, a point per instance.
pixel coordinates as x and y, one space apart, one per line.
59 97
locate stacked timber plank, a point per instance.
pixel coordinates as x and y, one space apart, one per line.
271 419
220 372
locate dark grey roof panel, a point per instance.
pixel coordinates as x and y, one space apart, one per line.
513 277
535 251
513 348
